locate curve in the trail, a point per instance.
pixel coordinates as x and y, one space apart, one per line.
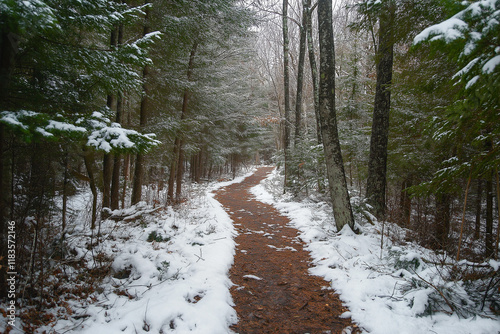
273 290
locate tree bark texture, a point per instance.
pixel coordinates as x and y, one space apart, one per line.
286 84
300 80
312 65
333 155
377 164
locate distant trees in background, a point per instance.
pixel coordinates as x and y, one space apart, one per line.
122 99
426 99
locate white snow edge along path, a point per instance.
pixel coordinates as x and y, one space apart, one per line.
178 284
370 286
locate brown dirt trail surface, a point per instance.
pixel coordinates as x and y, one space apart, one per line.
273 291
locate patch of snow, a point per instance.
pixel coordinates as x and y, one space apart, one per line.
253 277
448 30
490 65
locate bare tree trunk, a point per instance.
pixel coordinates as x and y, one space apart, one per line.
115 179
173 172
107 170
313 65
377 165
333 155
286 83
300 79
144 114
405 202
126 176
180 172
489 217
107 166
176 167
65 194
442 221
107 161
8 50
479 197
3 216
88 157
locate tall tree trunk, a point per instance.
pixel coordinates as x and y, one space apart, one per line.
442 221
107 170
405 202
286 82
88 158
333 155
126 176
107 161
313 65
8 50
173 172
176 167
144 114
300 79
115 179
3 215
489 217
377 165
479 198
180 172
65 194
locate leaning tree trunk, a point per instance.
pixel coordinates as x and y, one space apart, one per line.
331 144
312 65
377 164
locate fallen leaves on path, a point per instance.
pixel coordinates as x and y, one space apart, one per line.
273 290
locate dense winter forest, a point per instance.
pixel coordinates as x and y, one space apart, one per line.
111 112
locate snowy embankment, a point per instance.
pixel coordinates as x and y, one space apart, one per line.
170 271
391 290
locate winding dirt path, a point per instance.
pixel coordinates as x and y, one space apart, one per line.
273 291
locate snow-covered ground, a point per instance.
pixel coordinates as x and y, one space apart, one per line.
171 272
391 290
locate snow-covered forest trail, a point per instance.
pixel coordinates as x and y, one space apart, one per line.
273 290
